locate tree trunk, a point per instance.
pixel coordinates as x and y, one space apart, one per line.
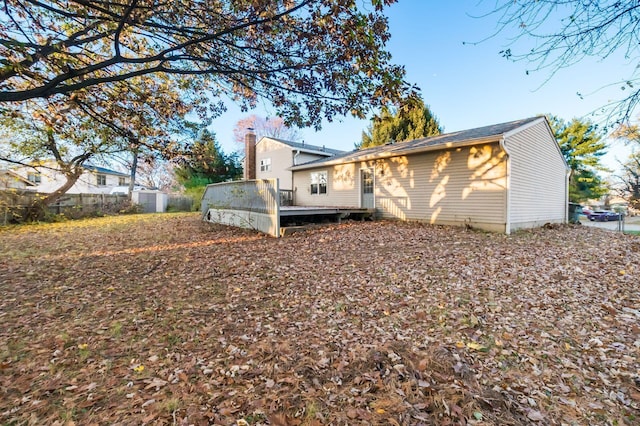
40 206
132 176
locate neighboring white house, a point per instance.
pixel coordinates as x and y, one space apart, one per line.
94 180
500 178
274 157
11 180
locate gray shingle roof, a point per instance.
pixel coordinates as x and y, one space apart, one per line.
99 169
424 144
307 147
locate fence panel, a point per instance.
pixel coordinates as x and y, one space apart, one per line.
179 203
253 204
15 204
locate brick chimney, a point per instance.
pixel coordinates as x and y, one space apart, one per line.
249 154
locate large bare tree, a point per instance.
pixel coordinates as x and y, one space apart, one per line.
273 127
555 34
629 178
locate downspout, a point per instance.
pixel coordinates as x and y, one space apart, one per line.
374 186
566 195
507 223
295 163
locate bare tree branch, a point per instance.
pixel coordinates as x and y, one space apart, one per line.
556 34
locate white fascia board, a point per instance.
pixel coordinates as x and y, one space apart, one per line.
383 155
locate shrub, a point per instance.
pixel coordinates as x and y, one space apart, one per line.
130 208
195 193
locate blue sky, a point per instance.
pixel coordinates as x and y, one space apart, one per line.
469 85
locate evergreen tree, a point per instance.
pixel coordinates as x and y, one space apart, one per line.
586 185
582 146
206 163
413 120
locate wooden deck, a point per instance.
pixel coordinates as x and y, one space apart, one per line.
297 215
286 211
297 218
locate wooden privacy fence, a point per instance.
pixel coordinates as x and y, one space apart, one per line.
15 204
179 203
253 204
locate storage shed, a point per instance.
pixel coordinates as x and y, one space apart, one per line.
500 178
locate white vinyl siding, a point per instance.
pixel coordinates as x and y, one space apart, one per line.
305 157
342 187
265 165
90 182
279 157
538 187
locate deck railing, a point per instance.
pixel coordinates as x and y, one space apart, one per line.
253 204
286 197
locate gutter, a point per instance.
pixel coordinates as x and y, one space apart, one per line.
507 223
566 195
389 154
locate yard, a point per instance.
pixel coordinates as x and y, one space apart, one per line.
164 319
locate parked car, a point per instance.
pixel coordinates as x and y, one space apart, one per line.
604 216
587 212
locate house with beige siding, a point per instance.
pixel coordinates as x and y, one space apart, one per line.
274 157
502 178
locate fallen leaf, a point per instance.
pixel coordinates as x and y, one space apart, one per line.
534 415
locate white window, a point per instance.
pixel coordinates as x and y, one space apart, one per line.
122 181
34 177
367 182
101 180
319 182
265 165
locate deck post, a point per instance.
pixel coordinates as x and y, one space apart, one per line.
278 200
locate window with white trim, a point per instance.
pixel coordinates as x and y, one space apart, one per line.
101 180
34 177
367 181
122 181
318 183
265 165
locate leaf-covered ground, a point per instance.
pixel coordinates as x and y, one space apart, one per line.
168 320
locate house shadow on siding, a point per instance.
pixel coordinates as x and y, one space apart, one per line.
463 185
